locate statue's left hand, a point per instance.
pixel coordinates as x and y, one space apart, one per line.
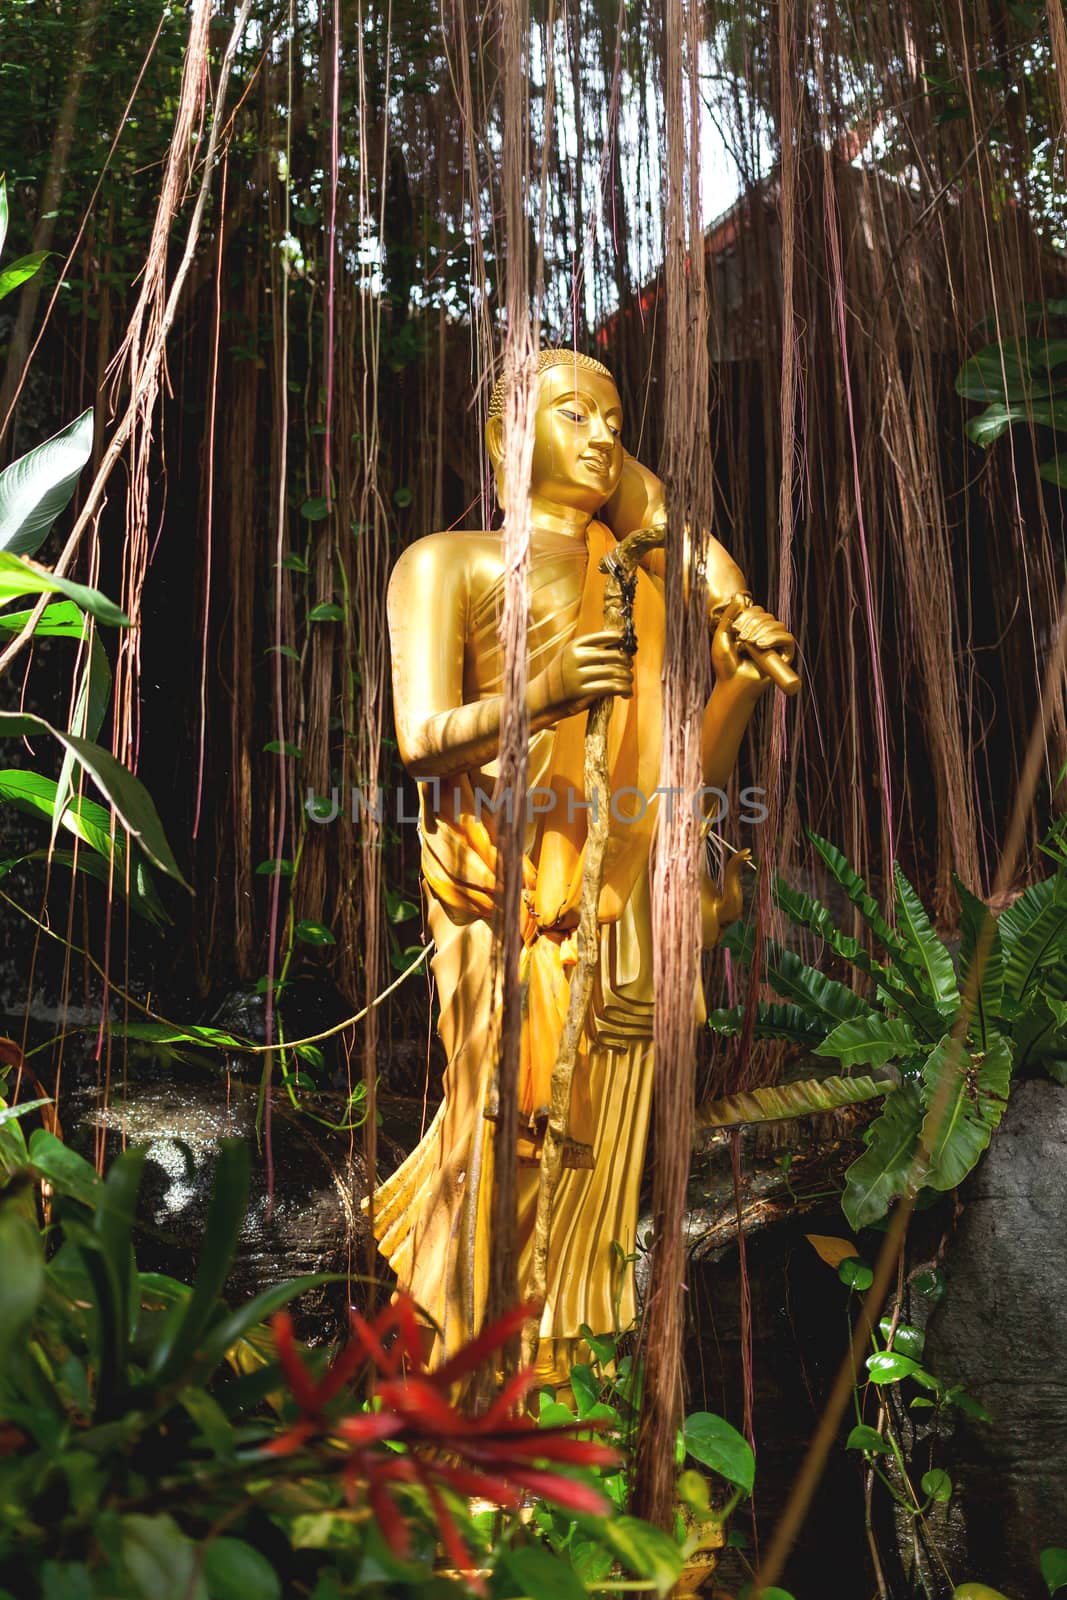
744 625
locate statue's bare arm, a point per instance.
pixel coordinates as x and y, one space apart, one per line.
440 735
640 502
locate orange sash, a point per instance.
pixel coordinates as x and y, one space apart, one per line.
459 857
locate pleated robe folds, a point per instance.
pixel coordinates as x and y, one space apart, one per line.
431 1218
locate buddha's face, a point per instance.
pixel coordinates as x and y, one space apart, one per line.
577 448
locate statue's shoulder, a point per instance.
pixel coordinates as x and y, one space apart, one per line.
455 554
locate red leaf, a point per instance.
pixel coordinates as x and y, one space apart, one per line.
395 1530
289 1442
543 1445
346 1363
370 1336
509 1399
300 1382
476 1485
565 1492
409 1334
368 1427
472 1355
426 1411
455 1549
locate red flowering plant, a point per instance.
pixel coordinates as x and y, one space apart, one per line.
414 1436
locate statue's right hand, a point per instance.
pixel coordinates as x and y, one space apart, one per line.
588 668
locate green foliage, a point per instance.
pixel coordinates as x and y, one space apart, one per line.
34 490
1021 380
155 1446
944 1093
784 1101
124 792
1054 1568
39 485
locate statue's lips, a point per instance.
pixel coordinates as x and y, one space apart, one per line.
600 466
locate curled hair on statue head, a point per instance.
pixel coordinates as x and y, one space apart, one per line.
546 359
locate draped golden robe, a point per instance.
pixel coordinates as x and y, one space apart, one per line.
431 1217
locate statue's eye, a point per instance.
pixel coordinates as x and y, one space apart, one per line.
575 416
614 429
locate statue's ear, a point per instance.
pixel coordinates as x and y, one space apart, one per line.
494 440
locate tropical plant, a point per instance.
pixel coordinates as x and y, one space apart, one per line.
1022 380
34 490
946 1034
157 1444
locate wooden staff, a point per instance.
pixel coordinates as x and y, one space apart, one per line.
620 566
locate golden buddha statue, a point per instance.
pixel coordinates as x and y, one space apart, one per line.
445 601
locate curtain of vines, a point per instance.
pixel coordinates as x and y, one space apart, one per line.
891 175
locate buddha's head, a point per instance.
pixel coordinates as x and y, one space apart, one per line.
577 449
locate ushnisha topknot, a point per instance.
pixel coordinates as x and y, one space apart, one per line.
548 358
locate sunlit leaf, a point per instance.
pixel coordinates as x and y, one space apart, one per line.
926 951
884 1171
1054 1568
856 1274
938 1485
869 1440
39 485
20 271
713 1442
120 787
870 1041
809 1097
19 576
964 1099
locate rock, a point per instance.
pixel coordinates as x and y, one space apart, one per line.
1001 1331
314 1224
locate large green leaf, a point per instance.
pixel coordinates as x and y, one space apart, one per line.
1016 370
38 486
964 1099
63 619
120 787
715 1443
1033 933
884 1170
20 271
812 914
67 1171
3 212
162 1562
535 1574
821 997
648 1551
980 939
171 1033
94 691
997 418
808 1098
870 1041
927 955
856 890
223 1334
23 1274
91 823
20 576
1039 1033
772 1021
178 1341
113 1222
